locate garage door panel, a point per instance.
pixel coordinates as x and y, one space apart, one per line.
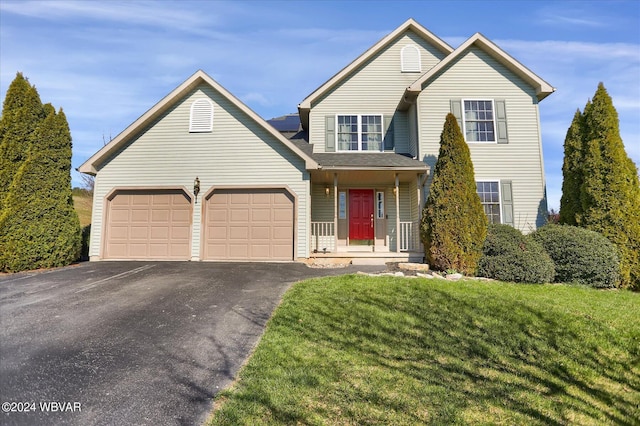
261 251
138 200
160 233
160 214
261 198
258 223
161 199
239 215
138 233
260 232
137 215
238 233
148 224
240 198
238 251
261 214
180 233
176 250
180 216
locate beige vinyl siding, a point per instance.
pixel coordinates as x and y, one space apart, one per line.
476 75
322 206
375 88
237 152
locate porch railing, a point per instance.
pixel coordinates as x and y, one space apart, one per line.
323 237
409 239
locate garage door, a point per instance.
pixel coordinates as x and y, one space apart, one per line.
249 224
149 224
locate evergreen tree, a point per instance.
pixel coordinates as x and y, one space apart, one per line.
570 205
610 190
22 112
39 227
454 224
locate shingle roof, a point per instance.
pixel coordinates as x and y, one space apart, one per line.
367 161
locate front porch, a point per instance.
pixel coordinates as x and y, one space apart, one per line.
367 212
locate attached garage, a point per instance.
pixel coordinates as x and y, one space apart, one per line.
249 224
148 224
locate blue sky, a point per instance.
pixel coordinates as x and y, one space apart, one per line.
107 62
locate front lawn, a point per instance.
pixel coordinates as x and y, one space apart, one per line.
386 350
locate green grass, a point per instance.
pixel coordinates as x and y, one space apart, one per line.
386 350
83 203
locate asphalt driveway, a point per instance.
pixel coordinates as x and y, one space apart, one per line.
136 343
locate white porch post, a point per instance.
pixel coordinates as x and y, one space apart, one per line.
335 212
396 191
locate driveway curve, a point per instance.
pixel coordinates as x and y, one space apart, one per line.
136 343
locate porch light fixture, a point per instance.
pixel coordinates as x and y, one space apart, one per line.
395 190
196 188
326 191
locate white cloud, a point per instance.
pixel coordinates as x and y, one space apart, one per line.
127 12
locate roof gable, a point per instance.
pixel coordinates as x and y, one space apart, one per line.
410 24
90 166
543 89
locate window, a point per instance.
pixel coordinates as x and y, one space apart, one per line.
410 59
201 118
359 132
342 205
489 194
380 205
478 121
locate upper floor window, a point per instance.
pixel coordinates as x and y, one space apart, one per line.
359 132
479 123
201 117
489 194
410 59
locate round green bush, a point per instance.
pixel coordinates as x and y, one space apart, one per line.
508 255
580 255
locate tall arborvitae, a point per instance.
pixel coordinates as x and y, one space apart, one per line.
22 112
39 227
454 224
610 190
570 205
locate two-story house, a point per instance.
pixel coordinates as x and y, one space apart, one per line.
350 183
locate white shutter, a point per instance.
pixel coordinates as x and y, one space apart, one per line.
201 119
410 58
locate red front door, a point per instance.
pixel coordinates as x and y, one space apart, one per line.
361 214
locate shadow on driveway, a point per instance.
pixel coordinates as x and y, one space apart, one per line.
145 343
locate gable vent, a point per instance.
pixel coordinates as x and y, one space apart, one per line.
410 58
201 119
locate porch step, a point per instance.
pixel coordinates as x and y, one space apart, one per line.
371 260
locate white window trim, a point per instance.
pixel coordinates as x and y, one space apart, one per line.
380 208
495 124
202 129
491 180
402 63
337 132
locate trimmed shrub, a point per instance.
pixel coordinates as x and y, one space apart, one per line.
580 256
508 255
454 224
39 227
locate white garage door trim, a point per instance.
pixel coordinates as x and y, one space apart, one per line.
285 190
156 190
